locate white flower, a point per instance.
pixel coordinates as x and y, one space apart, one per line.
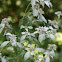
42 33
13 40
6 22
41 29
24 34
38 12
50 53
33 2
54 23
52 46
26 27
58 13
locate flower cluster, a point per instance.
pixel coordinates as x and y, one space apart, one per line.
5 25
33 33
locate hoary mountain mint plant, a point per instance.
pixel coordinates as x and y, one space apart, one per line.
35 42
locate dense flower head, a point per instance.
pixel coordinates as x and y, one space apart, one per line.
5 25
5 20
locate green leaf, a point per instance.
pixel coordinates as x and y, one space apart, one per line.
21 22
26 21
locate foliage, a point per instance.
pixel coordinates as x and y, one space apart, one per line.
33 40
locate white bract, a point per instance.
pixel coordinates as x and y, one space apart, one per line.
47 2
26 27
58 13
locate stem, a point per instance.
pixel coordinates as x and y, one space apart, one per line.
27 7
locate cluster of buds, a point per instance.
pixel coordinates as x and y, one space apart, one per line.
5 25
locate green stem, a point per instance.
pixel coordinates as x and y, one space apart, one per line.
27 7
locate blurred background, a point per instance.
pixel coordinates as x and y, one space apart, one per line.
15 9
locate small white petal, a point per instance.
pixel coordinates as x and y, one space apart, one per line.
35 32
22 27
9 34
30 27
23 32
